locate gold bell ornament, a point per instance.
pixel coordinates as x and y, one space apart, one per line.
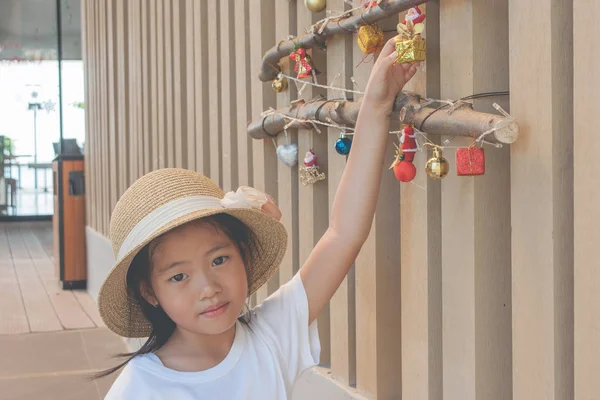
315 6
437 167
279 85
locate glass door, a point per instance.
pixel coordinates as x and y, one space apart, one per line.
30 89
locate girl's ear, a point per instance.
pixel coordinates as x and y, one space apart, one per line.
148 294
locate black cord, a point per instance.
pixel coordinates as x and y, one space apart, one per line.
471 97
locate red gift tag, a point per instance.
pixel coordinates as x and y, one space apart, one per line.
470 161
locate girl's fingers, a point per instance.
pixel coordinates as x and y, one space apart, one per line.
389 48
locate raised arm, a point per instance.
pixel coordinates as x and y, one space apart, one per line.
356 198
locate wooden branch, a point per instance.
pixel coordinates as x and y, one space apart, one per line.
458 120
335 26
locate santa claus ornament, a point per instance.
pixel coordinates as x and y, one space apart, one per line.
303 68
309 172
410 45
404 170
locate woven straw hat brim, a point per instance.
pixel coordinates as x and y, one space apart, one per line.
122 314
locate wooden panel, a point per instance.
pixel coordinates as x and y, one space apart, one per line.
421 274
152 61
13 319
40 313
180 56
587 198
161 99
228 129
312 199
67 308
287 196
342 306
189 85
133 99
122 40
214 92
242 86
97 143
377 272
113 105
85 48
542 199
33 244
168 60
55 220
89 306
493 341
73 228
147 88
262 31
106 187
201 87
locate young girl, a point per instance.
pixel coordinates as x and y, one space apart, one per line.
189 256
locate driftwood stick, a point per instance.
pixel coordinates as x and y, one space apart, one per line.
458 120
335 26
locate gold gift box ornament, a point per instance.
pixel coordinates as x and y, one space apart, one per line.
370 39
409 44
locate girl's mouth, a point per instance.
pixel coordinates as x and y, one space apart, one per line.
215 311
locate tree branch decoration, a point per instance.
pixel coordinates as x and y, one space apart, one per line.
458 119
321 31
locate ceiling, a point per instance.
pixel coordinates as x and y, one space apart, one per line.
28 29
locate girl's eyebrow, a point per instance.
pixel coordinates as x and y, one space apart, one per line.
172 265
214 249
217 247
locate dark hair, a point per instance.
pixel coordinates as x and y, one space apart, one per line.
139 272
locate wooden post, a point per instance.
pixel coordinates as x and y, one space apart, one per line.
342 305
122 106
227 107
214 91
377 274
420 241
243 91
287 177
202 131
542 199
180 83
475 212
313 198
587 198
262 32
160 99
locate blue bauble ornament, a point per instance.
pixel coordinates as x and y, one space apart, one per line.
343 145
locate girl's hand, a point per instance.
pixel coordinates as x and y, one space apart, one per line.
388 77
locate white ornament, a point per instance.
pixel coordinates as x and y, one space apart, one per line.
288 154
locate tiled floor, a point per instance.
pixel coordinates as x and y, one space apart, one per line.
51 340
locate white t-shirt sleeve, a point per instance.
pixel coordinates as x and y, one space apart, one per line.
282 319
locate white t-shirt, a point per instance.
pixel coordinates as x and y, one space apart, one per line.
263 363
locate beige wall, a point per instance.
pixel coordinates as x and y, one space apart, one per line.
469 288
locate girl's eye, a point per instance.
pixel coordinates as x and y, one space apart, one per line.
219 260
178 277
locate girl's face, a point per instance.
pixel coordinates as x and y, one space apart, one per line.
198 277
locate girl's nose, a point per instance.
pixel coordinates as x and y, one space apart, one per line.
207 286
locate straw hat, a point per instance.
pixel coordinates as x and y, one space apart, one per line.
163 200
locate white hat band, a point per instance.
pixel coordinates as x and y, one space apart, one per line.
163 215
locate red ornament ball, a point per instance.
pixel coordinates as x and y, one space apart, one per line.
405 171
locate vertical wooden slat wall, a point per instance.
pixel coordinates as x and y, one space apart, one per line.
342 308
421 252
466 288
586 196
